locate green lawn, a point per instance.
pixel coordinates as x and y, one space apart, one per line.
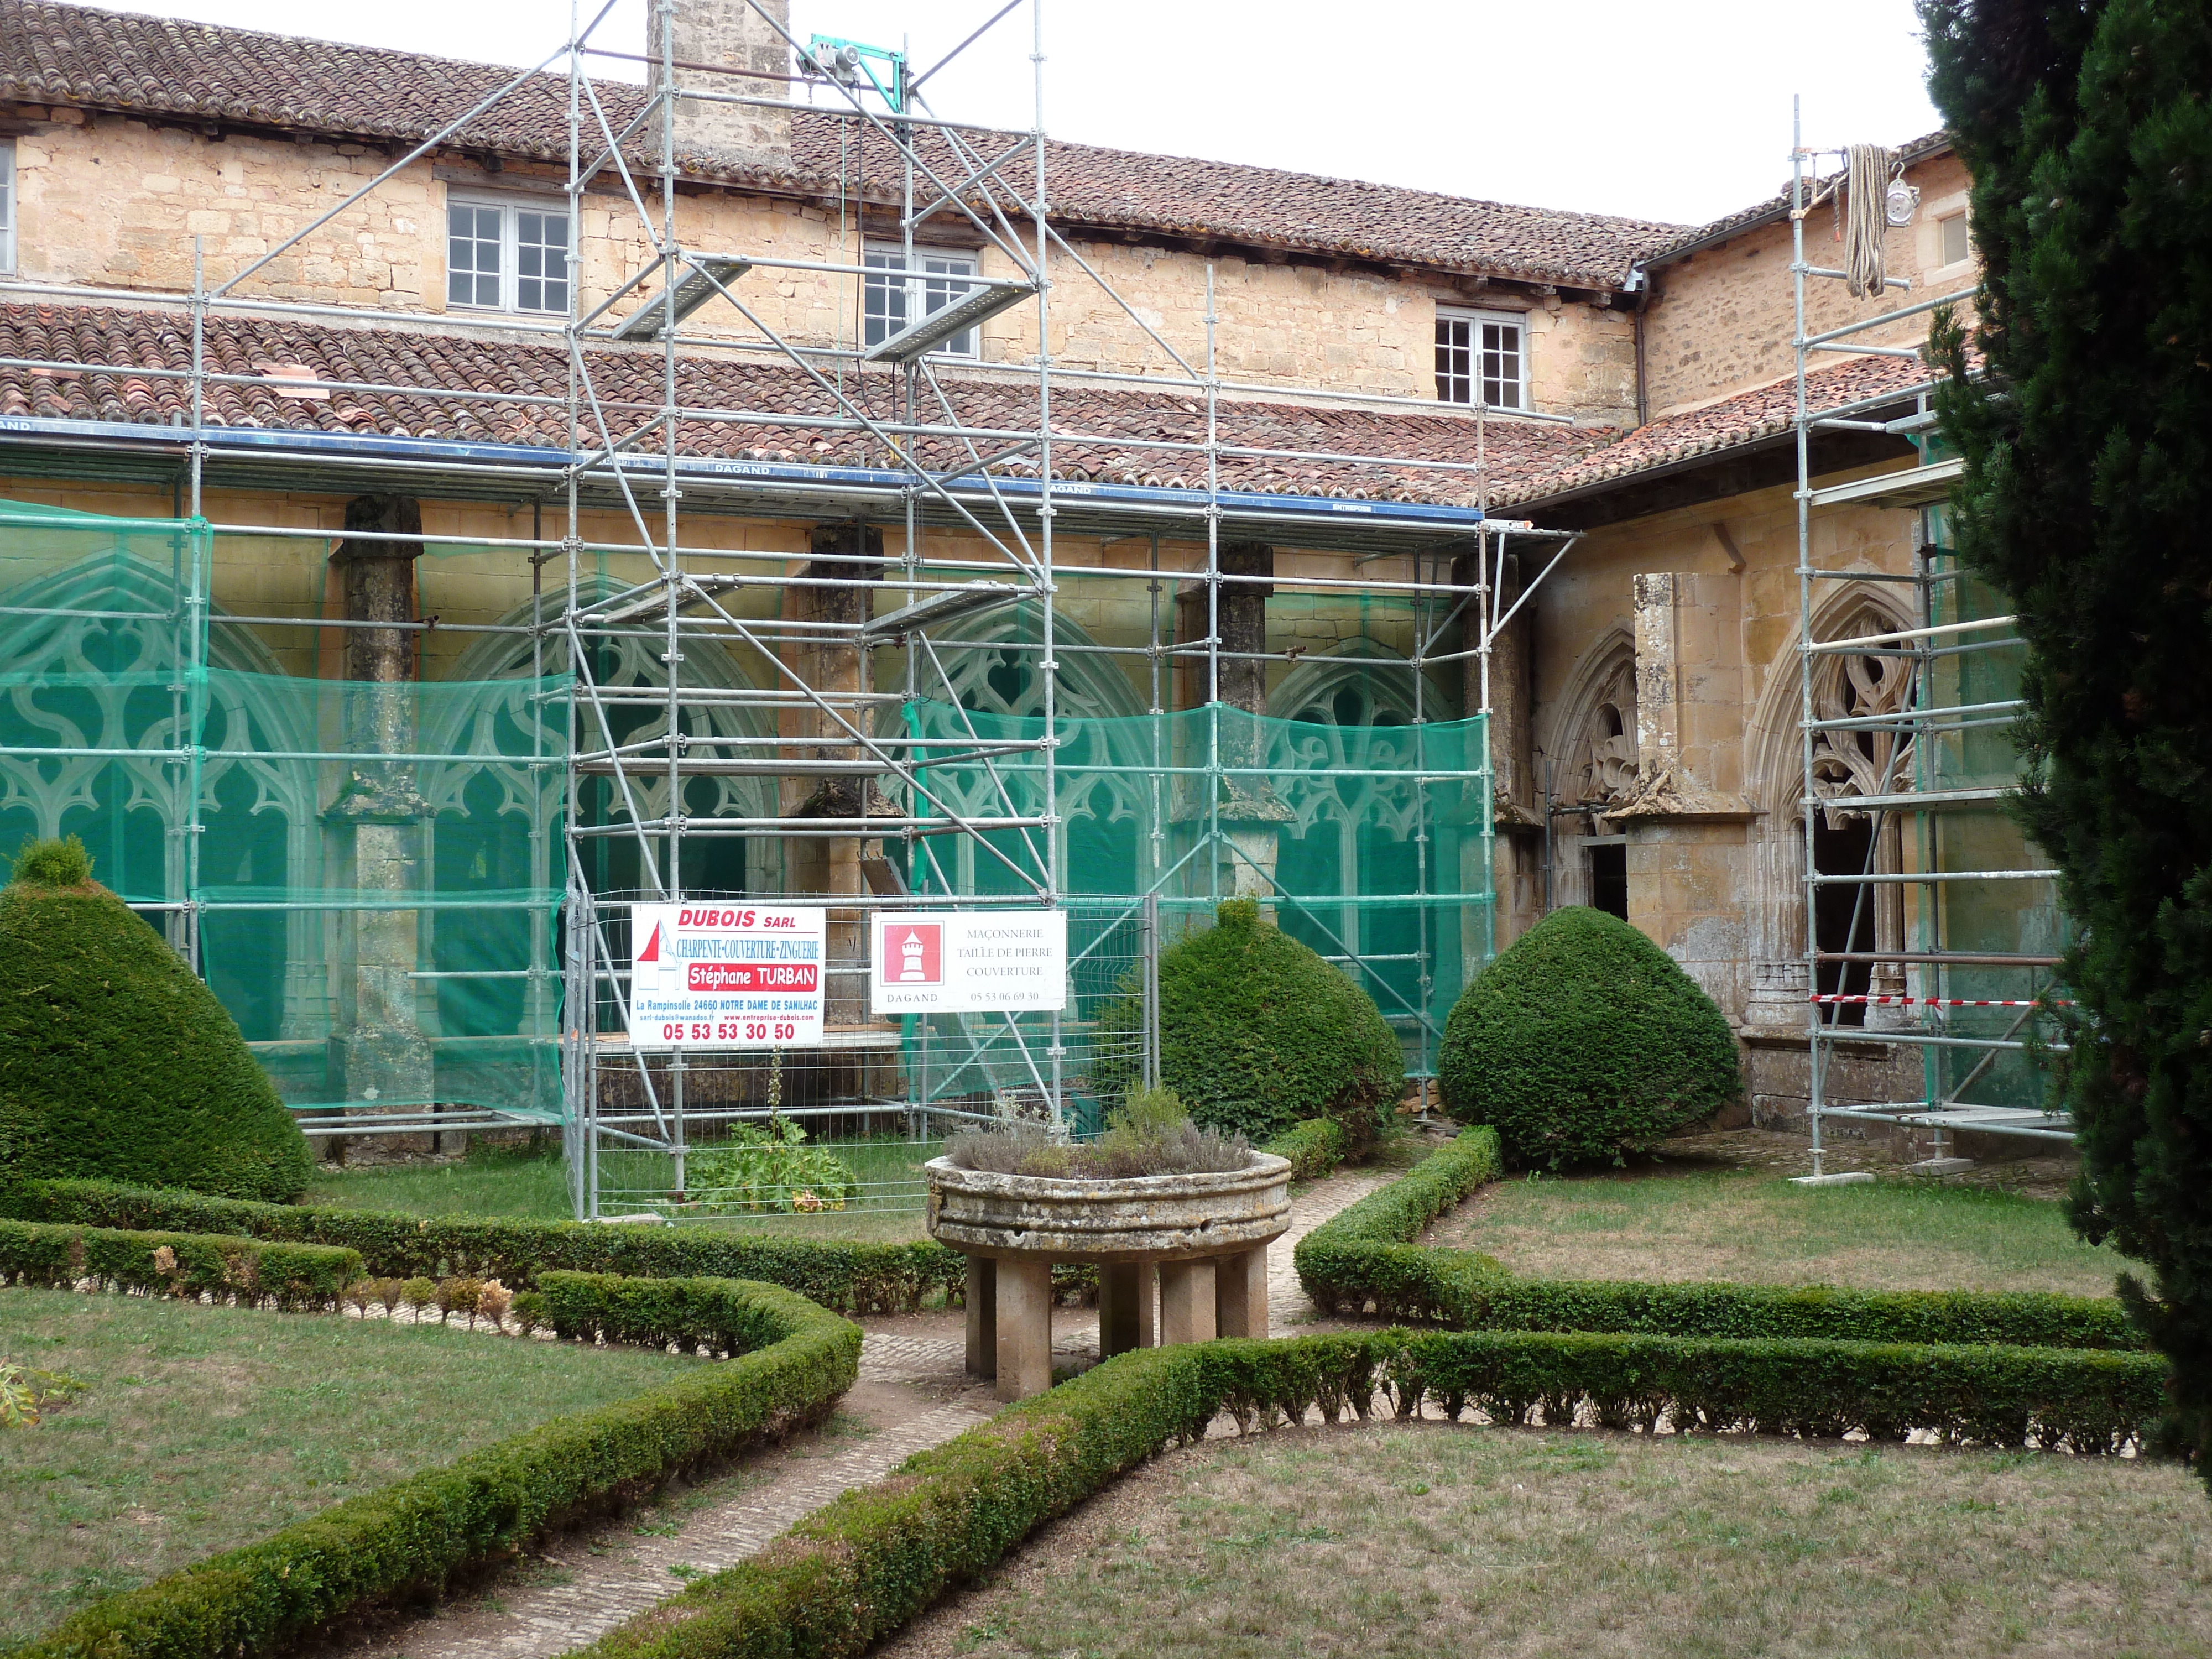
1411 1541
1684 1222
202 1428
502 1181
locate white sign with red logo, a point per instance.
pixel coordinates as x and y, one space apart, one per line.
967 961
726 976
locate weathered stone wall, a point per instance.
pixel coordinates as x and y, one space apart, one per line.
1722 319
1713 859
112 200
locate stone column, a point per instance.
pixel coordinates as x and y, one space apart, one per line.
831 865
1125 1308
1658 681
1689 859
982 1317
1239 1294
1024 1333
1251 816
380 1056
1186 1295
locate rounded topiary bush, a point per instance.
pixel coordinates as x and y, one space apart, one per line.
1584 1041
1257 1033
116 1062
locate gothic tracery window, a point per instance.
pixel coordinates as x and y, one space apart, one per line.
1602 769
1864 761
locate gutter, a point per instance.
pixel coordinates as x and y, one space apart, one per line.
236 442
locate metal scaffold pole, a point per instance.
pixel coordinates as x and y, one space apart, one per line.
1887 726
680 696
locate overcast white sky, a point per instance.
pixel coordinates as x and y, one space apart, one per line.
1675 110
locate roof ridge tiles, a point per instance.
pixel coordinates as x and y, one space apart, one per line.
50 50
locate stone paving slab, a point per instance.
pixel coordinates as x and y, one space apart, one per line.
596 1579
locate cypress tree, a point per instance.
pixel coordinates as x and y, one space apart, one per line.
2087 496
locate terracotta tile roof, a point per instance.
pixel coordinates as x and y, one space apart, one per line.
1763 412
274 358
1307 212
124 61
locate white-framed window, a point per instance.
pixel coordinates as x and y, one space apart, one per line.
1482 356
7 205
507 255
900 296
1954 248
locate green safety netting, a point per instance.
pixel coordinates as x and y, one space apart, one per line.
1976 751
1370 843
368 875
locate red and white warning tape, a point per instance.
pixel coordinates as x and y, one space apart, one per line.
1947 1002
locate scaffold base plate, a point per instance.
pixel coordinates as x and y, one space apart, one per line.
1939 1166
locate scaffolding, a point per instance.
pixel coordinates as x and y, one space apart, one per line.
1934 925
907 715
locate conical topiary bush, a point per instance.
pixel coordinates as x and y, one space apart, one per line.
1257 1033
1584 1041
116 1062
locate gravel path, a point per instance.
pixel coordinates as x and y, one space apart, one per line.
913 1394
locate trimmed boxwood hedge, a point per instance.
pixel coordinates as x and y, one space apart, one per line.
1362 1258
1584 1040
116 1060
1314 1147
853 1573
243 1270
411 1536
2089 1402
849 1278
1257 1032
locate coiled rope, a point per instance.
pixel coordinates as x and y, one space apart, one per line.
1865 219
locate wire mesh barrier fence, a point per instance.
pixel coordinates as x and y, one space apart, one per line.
1995 932
1371 844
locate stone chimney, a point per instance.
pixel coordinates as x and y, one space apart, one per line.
732 34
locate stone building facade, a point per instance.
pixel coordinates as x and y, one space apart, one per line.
1644 738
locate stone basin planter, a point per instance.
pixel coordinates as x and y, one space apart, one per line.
1205 1235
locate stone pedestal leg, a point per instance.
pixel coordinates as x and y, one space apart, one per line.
1125 1307
1186 1302
982 1317
1239 1294
1024 1301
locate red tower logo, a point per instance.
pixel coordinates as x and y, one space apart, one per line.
913 952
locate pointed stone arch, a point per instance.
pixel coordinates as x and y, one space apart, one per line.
495 721
1844 766
107 668
1591 737
1335 688
991 677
